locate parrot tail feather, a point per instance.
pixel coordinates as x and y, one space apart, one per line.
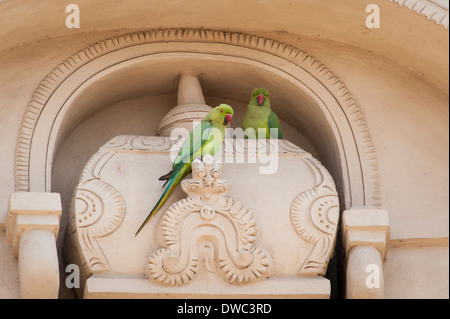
165 183
162 200
165 177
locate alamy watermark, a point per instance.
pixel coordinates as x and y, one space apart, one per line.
73 19
73 277
373 19
373 278
235 149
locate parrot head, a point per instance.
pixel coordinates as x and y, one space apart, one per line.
260 97
222 114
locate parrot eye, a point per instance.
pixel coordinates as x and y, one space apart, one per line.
221 111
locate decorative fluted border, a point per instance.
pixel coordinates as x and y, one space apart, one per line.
430 9
336 87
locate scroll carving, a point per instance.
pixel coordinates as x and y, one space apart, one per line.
315 217
97 211
208 228
140 143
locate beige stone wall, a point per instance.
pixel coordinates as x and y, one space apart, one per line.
408 270
398 75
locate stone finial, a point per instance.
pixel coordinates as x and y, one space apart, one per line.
191 106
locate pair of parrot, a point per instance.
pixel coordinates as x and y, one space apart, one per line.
207 138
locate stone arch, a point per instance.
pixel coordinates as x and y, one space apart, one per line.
330 116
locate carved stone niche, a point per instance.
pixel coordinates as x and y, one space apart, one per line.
231 230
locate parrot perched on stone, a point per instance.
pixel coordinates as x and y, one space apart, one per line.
205 138
260 115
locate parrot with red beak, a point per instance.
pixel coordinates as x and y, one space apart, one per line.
205 138
259 115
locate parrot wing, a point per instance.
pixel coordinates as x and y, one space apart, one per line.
197 137
181 166
274 122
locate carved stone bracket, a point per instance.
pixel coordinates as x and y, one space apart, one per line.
32 228
208 228
366 236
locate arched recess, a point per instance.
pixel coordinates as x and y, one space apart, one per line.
310 95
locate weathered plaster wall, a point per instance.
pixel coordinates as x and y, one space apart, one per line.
398 75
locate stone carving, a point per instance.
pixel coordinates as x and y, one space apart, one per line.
315 216
97 210
231 146
141 143
208 226
207 239
261 146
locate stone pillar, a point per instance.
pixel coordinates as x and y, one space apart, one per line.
366 235
32 229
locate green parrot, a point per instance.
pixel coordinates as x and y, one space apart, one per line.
205 138
260 115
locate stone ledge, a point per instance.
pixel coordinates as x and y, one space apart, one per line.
98 287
